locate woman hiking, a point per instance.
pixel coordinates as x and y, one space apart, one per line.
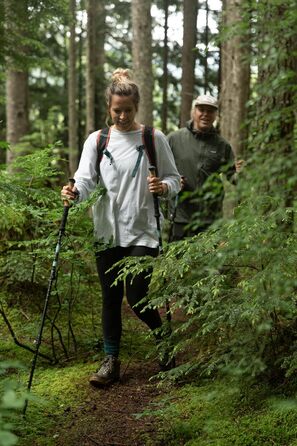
123 217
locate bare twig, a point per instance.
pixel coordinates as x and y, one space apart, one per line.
92 439
17 342
24 314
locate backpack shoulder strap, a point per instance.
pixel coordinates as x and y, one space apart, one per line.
148 138
101 143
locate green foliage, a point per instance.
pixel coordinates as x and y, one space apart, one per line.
31 212
46 131
233 288
236 295
24 25
11 401
41 31
222 414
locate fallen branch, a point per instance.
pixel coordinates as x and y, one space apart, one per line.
92 439
17 342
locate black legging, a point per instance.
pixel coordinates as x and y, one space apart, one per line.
113 295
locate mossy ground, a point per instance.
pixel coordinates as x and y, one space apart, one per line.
221 413
64 410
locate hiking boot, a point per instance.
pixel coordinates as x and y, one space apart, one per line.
166 361
108 373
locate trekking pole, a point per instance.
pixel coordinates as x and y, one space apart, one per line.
53 274
174 211
172 218
152 171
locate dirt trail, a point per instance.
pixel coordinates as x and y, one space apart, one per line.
106 417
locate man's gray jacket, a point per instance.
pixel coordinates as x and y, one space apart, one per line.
199 155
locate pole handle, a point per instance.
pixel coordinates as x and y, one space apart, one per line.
152 171
71 183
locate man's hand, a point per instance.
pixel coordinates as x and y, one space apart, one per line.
183 182
239 165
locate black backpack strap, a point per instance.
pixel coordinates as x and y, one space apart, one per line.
148 138
101 143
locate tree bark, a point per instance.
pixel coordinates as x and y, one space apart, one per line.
235 79
17 95
275 103
100 83
188 58
72 92
81 106
165 69
142 57
17 120
91 63
206 48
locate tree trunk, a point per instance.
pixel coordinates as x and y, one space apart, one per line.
275 104
206 48
235 78
17 121
17 108
91 64
72 93
81 91
100 104
165 69
142 57
188 58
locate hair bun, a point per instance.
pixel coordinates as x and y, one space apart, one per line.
121 75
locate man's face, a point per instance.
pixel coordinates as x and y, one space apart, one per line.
204 117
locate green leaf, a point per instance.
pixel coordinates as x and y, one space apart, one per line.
7 438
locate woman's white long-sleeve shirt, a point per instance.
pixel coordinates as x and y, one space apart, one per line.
124 216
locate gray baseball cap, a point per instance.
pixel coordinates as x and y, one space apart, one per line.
206 99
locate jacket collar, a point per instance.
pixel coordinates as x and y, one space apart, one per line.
197 133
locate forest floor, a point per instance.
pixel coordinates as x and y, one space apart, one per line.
110 416
107 416
66 411
74 413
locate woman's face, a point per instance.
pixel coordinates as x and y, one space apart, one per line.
122 111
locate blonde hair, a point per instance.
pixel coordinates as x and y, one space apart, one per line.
122 84
121 75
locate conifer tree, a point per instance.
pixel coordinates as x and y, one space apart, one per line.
188 58
142 57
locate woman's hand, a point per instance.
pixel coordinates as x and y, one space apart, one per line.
69 193
156 186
